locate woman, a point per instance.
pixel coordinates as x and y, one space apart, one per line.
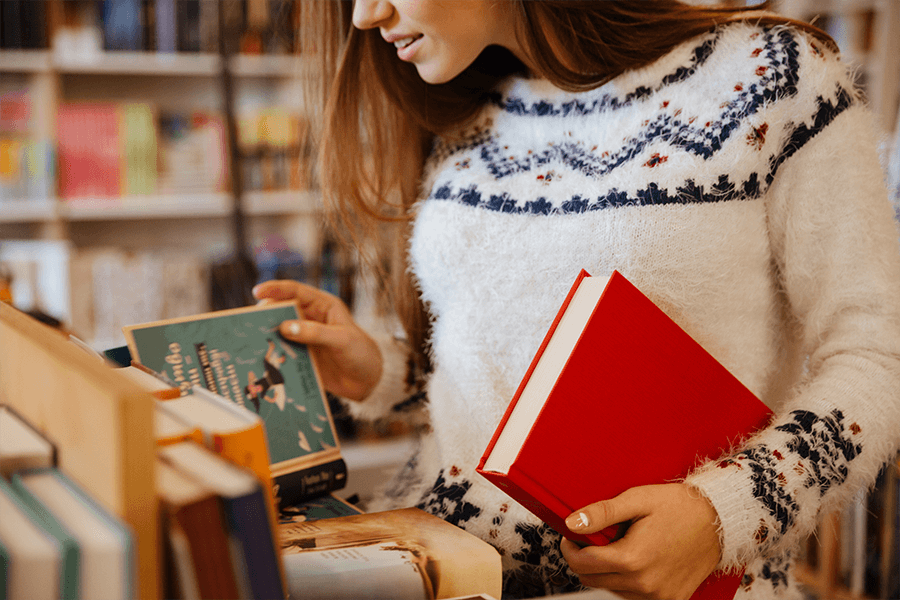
721 159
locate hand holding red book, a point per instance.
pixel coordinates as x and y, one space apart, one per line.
617 397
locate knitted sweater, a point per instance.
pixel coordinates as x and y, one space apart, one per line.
736 182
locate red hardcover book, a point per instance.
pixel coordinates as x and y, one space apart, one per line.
90 151
615 379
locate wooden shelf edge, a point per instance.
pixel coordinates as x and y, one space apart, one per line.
25 61
27 210
165 206
153 63
140 63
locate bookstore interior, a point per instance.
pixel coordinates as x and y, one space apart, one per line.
154 165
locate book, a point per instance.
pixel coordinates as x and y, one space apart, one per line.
157 386
166 26
122 25
188 25
240 355
21 445
246 514
31 557
231 431
88 149
614 361
137 132
11 24
399 554
328 506
169 428
105 550
197 537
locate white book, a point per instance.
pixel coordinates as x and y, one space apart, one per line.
32 555
21 446
106 550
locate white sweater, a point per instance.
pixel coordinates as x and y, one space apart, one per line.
736 182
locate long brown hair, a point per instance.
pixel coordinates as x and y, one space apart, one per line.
380 117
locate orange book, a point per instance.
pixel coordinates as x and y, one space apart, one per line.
169 428
234 433
147 379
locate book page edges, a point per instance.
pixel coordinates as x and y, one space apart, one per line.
534 362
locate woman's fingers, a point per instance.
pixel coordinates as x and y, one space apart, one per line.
627 506
281 289
316 304
314 333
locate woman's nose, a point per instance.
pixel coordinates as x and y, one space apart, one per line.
370 13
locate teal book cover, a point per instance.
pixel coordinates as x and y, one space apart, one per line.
239 355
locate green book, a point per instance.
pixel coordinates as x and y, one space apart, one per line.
239 355
66 546
105 544
4 570
138 138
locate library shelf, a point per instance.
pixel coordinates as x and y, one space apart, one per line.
140 63
25 61
281 202
27 211
147 207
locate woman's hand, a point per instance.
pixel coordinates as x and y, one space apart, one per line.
348 359
671 546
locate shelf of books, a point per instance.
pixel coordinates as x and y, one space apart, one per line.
171 468
854 553
114 139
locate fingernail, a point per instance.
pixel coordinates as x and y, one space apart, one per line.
255 291
294 328
578 521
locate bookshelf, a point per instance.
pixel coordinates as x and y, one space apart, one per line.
866 32
854 553
98 420
198 222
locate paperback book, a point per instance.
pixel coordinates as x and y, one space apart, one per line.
239 355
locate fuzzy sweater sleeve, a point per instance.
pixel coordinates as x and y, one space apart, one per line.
394 397
837 259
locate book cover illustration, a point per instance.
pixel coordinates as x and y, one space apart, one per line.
240 355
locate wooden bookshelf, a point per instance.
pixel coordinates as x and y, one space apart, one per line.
99 420
869 570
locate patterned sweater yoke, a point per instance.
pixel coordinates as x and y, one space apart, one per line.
736 182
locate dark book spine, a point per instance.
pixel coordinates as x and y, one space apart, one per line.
166 26
11 24
34 24
294 488
248 520
122 25
188 25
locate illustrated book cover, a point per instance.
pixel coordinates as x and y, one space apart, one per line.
238 354
615 378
